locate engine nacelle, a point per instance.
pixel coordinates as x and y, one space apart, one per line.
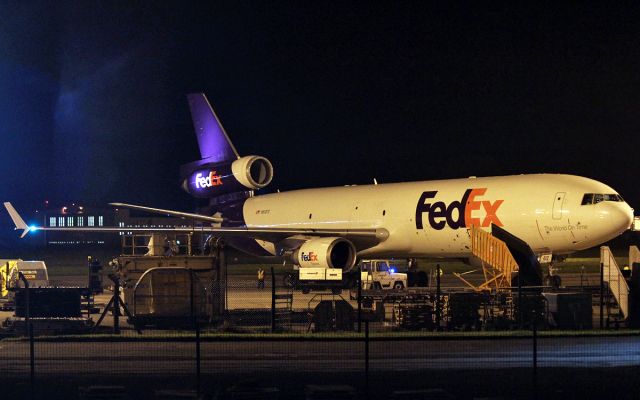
205 180
253 172
329 252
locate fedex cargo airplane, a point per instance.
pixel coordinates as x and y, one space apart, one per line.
333 227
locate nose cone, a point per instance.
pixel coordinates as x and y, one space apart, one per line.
618 217
615 218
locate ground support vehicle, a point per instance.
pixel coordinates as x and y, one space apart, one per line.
34 271
374 274
381 275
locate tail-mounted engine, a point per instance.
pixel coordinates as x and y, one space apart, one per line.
329 252
205 180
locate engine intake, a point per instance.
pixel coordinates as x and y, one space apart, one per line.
253 172
330 252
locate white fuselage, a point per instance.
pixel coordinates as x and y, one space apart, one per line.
431 218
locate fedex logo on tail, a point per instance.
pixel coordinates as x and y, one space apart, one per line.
208 181
439 214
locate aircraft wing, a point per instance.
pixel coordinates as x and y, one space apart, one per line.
362 238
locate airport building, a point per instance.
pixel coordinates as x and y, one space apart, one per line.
76 215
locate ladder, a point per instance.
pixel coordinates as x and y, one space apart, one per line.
497 262
634 255
613 276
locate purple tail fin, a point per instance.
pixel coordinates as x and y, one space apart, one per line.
213 141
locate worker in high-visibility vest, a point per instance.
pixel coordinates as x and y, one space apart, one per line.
260 278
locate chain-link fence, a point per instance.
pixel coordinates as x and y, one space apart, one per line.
189 337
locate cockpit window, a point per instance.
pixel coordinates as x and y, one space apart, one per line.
612 197
595 198
587 199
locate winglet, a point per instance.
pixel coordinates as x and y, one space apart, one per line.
17 220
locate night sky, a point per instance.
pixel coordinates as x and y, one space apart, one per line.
93 107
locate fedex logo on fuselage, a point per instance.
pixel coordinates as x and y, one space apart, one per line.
208 181
311 257
439 214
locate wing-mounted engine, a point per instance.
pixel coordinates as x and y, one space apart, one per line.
326 252
207 180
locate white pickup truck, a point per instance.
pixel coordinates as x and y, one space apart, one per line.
381 275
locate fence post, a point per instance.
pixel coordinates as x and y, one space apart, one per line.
273 301
359 280
520 307
535 353
366 355
196 326
29 328
601 295
198 357
438 316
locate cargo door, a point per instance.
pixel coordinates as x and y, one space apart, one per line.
558 205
